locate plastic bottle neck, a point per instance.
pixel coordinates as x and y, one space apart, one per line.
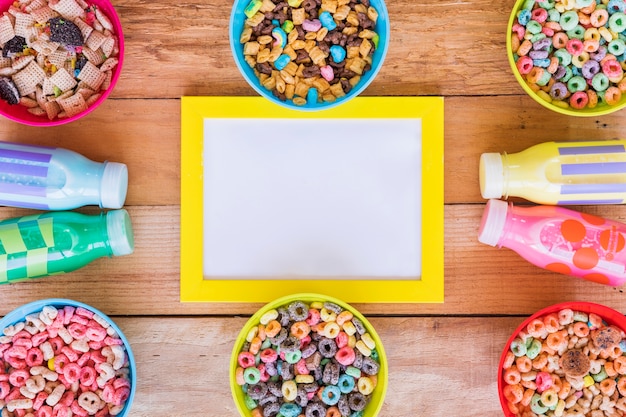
77 233
119 231
493 175
493 225
107 234
504 225
114 185
515 174
88 182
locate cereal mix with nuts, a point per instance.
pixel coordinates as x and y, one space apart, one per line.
312 360
309 51
63 361
57 56
566 364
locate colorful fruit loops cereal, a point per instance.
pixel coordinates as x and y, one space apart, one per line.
57 56
309 51
569 364
314 360
62 362
571 52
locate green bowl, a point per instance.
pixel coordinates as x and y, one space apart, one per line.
545 100
378 395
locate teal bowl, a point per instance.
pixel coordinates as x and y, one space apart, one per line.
237 23
20 313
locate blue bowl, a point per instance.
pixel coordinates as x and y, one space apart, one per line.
237 20
20 313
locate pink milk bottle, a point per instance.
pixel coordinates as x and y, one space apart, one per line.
559 239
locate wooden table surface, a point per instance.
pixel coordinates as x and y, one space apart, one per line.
442 357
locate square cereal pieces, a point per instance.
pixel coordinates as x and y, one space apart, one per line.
58 56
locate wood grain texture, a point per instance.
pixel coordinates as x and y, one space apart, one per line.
479 279
442 357
439 47
146 136
183 365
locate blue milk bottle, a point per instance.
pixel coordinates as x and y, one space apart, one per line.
45 178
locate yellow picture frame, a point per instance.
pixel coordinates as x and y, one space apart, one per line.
428 288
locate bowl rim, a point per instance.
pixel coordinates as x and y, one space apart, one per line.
610 315
383 47
383 375
603 110
19 313
112 14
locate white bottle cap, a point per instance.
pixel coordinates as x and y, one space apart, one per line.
114 185
493 221
491 174
120 232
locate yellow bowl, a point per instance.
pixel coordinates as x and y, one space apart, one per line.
545 100
378 395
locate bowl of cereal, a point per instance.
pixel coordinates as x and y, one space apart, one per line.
307 54
60 59
566 359
318 356
66 357
568 56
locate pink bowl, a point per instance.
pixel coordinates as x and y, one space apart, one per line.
20 113
609 315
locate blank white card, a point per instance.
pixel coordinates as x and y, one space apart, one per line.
307 198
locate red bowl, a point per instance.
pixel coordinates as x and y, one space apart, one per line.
610 316
20 114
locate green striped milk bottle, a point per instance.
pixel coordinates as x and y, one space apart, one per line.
57 242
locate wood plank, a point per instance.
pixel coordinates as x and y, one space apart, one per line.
150 145
143 134
474 125
479 279
183 364
443 357
183 49
499 281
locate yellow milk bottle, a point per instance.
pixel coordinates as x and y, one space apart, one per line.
559 173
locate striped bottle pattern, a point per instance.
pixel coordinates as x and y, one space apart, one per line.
23 174
608 169
24 246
